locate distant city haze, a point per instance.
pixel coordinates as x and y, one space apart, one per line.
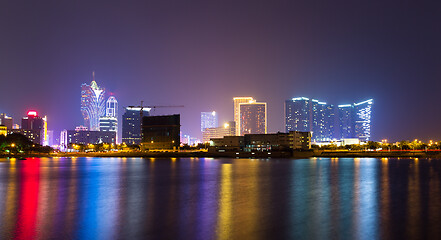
201 54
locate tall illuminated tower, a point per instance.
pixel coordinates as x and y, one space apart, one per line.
362 119
93 104
236 102
345 121
112 107
355 120
253 118
109 123
298 114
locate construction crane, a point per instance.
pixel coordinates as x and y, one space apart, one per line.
141 114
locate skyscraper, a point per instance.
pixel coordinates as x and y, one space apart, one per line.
236 102
112 107
110 121
93 104
209 120
345 120
323 118
327 122
253 118
35 127
131 124
298 115
310 115
161 132
32 121
362 119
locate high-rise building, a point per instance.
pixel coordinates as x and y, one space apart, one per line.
209 120
32 121
131 124
323 118
310 115
253 118
93 104
346 122
50 137
228 129
63 140
362 119
298 115
327 122
236 102
161 132
37 124
6 121
112 107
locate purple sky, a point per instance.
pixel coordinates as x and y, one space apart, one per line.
203 53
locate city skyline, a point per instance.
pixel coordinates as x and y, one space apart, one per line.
220 119
173 56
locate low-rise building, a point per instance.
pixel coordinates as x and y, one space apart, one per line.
228 129
263 142
6 121
227 143
3 130
89 137
300 140
33 135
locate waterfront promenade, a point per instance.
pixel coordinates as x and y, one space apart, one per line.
202 154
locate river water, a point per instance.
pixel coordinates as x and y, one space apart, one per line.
205 198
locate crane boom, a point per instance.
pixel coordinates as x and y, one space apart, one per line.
167 106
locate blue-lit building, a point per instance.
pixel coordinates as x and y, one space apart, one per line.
362 119
346 122
355 120
327 122
209 120
298 115
131 124
310 115
323 118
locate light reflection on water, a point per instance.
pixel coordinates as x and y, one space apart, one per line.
134 198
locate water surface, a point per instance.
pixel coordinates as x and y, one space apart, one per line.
191 198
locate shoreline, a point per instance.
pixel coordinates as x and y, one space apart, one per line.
203 154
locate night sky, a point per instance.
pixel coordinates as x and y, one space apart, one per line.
201 54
